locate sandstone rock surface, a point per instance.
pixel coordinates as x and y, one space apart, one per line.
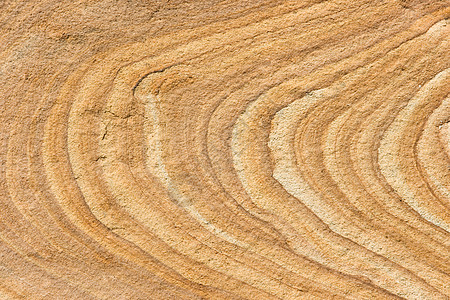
224 149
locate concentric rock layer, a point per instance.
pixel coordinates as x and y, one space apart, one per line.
225 149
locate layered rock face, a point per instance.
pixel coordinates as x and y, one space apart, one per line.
225 149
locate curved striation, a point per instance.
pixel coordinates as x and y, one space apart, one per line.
225 149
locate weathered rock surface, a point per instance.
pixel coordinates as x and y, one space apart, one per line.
224 149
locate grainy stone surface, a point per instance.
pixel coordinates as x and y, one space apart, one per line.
224 149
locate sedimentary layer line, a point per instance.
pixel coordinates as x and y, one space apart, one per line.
225 149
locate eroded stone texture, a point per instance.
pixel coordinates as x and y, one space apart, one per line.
224 149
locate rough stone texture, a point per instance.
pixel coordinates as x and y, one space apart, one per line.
224 149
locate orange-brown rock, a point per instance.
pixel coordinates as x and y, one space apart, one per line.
225 149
